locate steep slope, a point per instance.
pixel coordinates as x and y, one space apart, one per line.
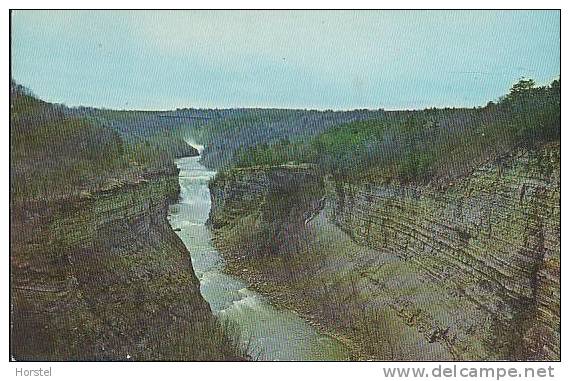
96 271
105 278
492 238
472 268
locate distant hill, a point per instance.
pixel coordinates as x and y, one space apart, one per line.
58 151
411 145
432 145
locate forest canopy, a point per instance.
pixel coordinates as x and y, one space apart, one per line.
427 145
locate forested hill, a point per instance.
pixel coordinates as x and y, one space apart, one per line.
432 145
223 131
225 137
58 152
417 145
97 273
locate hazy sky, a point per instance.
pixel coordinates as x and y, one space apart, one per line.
320 59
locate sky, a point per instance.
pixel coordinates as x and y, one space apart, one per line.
285 59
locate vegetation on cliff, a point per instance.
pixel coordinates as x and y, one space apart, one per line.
56 152
413 235
406 272
421 146
96 271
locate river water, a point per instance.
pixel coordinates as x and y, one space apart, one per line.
273 334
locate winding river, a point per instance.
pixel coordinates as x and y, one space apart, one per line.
272 333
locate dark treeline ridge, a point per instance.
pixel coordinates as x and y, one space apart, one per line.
89 145
239 129
432 145
57 151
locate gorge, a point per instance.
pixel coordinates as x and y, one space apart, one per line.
470 272
268 333
290 235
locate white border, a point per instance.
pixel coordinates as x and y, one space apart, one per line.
249 371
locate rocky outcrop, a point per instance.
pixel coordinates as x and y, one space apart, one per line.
104 277
238 192
473 268
492 239
179 148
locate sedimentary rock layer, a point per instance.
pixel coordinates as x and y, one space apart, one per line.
474 265
104 277
493 238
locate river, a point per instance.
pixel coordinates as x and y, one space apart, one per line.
272 333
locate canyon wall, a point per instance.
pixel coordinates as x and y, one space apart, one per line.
103 276
492 239
473 268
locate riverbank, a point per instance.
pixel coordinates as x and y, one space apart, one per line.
104 277
282 298
269 333
405 273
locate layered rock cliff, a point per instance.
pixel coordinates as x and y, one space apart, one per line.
468 271
492 239
103 276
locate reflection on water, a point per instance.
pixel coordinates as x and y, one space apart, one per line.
273 334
